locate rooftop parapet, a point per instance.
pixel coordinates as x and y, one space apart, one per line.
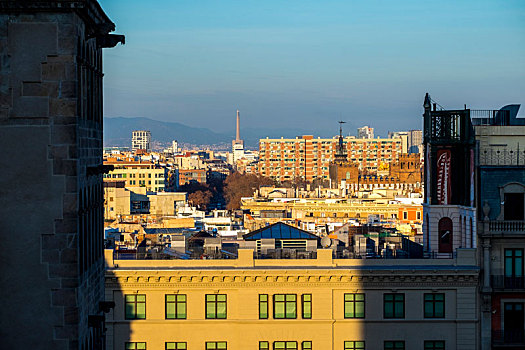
465 258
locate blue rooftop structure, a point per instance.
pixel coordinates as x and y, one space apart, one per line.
280 230
165 231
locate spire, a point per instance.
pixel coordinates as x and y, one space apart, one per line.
427 104
341 154
341 150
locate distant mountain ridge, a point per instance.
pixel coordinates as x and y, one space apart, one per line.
117 133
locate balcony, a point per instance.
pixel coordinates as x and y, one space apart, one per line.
507 282
501 156
509 337
507 227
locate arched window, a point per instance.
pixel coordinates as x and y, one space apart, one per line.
348 175
445 235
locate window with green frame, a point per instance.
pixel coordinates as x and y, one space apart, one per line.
175 306
306 301
264 345
135 306
263 306
136 346
394 345
354 305
216 306
284 306
434 345
434 305
306 345
284 345
176 345
216 345
354 345
394 305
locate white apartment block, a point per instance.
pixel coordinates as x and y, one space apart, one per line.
141 139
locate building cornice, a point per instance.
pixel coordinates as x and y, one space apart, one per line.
89 10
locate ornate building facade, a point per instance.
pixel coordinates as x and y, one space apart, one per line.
322 303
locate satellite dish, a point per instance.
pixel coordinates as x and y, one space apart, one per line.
326 242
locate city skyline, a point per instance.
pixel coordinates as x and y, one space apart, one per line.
307 64
415 241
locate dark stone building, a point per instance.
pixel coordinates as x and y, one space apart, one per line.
449 209
51 195
501 226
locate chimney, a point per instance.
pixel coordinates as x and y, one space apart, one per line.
238 133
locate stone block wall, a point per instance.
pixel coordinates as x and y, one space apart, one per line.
52 205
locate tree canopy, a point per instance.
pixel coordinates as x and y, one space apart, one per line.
239 185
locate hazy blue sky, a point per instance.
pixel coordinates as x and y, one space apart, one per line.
306 64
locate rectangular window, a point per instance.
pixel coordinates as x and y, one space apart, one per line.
135 306
306 301
176 346
216 345
284 345
263 306
434 305
394 305
264 345
284 306
354 305
434 345
354 345
136 346
175 306
306 345
394 345
513 262
514 268
216 306
405 215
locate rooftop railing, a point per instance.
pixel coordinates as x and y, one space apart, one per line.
489 117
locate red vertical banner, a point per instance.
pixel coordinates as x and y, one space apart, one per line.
471 177
443 184
427 164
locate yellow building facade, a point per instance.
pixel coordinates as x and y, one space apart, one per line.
137 175
321 303
323 211
120 201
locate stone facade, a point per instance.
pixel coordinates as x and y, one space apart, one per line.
51 133
326 280
405 172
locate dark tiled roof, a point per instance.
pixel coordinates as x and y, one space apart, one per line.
164 231
279 230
